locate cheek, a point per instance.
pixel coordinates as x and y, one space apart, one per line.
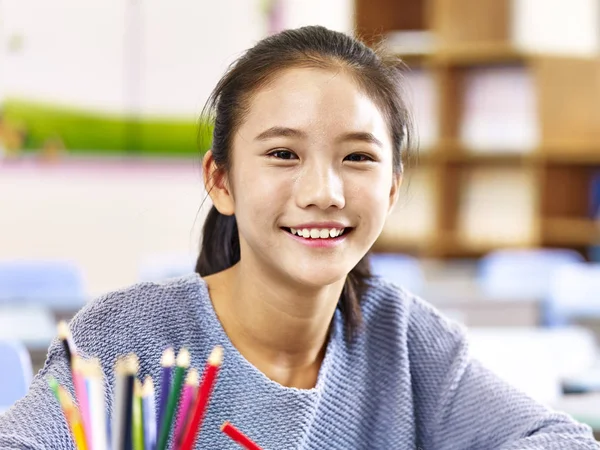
259 197
371 196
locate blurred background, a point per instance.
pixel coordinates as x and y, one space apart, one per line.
498 225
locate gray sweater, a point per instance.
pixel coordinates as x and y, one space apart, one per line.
405 382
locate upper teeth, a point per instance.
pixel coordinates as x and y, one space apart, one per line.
317 233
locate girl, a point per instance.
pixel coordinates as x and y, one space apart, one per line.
304 168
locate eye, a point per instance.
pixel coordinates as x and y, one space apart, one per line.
358 157
283 154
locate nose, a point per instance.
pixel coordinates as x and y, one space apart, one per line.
321 187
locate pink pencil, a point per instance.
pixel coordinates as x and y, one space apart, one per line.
81 394
187 399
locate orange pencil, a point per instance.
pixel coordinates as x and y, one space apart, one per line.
73 418
204 392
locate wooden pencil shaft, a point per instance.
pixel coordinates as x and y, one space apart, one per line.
183 415
149 413
165 388
97 414
73 418
119 408
171 407
137 419
239 437
127 443
82 396
68 353
199 411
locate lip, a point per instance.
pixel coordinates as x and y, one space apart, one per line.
321 225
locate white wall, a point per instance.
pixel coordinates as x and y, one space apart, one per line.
84 53
151 56
107 217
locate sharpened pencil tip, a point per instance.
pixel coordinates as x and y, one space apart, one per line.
168 357
193 377
216 356
183 358
63 330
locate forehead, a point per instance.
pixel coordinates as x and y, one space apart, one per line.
315 99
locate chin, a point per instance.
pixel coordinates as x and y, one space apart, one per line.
318 278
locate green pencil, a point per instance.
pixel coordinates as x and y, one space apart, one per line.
54 386
183 362
137 420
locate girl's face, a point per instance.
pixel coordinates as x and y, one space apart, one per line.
311 181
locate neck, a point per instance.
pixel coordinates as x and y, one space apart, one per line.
280 328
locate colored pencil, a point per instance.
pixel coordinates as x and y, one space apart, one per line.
204 392
64 334
137 419
97 405
183 362
73 418
239 437
148 404
126 370
187 400
167 362
82 396
53 386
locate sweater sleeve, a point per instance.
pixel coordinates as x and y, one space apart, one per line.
36 422
462 404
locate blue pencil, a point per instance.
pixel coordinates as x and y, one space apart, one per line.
149 414
167 362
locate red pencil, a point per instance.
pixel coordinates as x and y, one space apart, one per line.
239 437
204 392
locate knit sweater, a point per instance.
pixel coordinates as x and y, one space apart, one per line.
405 381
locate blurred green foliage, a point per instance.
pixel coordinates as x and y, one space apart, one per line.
84 131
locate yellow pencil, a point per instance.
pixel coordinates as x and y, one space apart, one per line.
73 418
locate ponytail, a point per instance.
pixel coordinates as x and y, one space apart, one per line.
220 243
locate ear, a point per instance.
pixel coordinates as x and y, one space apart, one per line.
395 190
217 185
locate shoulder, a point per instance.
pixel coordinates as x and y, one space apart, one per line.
388 305
148 311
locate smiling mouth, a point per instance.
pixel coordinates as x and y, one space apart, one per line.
318 233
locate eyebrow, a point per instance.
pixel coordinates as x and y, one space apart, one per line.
274 132
361 136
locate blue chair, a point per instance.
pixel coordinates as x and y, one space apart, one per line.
56 284
32 325
403 270
574 293
510 274
16 373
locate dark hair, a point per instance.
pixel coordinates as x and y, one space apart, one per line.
376 73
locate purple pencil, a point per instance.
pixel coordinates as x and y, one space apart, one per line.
185 406
167 362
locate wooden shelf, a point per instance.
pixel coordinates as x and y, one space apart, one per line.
479 54
467 55
473 50
420 247
453 154
570 231
570 154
